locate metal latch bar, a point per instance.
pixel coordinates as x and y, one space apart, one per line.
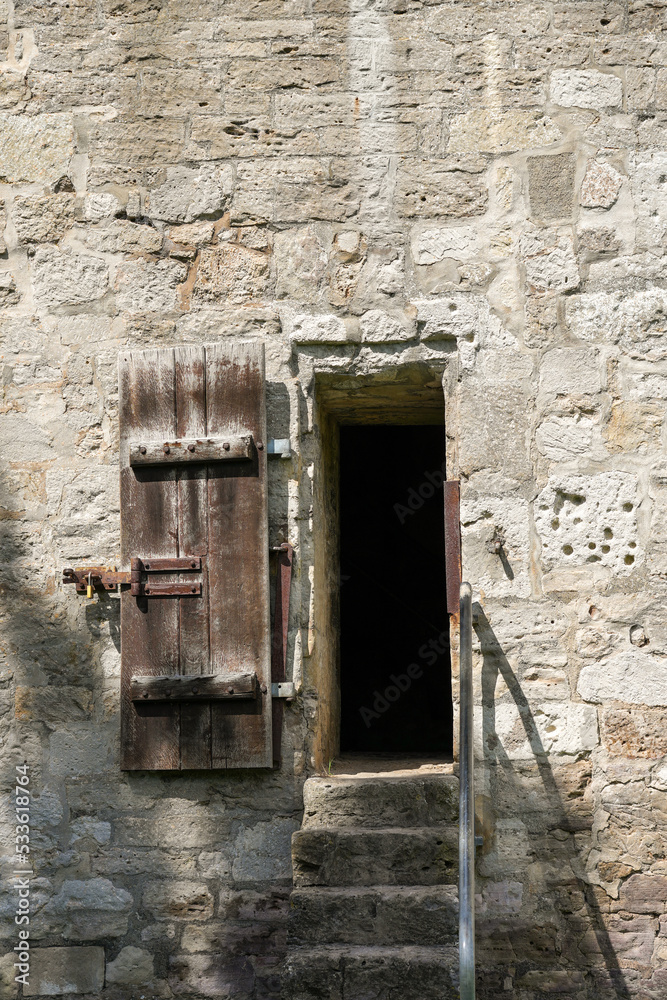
283 689
193 687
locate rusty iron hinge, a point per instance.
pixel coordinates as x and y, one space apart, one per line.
88 579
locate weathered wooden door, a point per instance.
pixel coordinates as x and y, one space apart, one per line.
194 484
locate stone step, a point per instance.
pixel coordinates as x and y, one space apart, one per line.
381 801
342 857
348 973
415 915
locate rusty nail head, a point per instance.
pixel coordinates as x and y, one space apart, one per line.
168 692
195 690
230 690
165 449
191 447
194 590
225 445
264 689
147 565
260 446
143 449
194 565
147 590
145 694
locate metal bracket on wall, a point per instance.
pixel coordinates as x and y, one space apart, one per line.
88 579
279 684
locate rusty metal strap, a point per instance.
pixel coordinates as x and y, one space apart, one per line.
452 544
279 639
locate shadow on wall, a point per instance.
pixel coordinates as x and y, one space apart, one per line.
552 925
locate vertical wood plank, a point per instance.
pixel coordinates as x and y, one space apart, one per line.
238 554
149 529
195 732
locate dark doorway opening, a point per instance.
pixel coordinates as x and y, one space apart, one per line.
394 639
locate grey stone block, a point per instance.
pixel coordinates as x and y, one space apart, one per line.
551 185
56 971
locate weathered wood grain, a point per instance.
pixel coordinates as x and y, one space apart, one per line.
194 687
191 450
149 528
195 742
238 543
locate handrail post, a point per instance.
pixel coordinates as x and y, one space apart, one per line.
466 804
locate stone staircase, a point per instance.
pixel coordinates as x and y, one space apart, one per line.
374 908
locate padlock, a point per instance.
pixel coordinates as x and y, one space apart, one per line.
89 588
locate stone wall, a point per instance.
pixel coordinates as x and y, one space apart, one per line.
367 186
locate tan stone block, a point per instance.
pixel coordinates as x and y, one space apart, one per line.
634 428
122 236
41 219
35 149
137 143
274 74
233 273
634 732
593 16
551 185
661 89
640 87
647 15
53 704
473 20
644 894
440 188
488 130
181 900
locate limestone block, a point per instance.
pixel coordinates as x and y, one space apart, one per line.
67 278
263 851
472 21
81 750
121 236
509 513
270 74
190 193
553 728
142 285
57 971
590 16
87 828
100 205
550 262
232 272
461 316
589 519
301 263
634 428
488 130
378 326
637 320
661 89
650 196
633 676
568 371
219 974
634 732
35 149
8 985
600 186
551 185
42 219
585 88
8 293
561 438
180 900
303 328
53 704
85 910
132 966
462 243
440 188
295 189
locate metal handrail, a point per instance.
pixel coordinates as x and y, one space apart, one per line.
466 805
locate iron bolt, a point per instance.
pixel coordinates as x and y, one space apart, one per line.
143 449
165 449
194 590
226 445
195 690
191 447
264 689
230 690
260 446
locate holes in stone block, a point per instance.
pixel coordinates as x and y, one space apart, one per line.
608 533
568 550
629 559
628 506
